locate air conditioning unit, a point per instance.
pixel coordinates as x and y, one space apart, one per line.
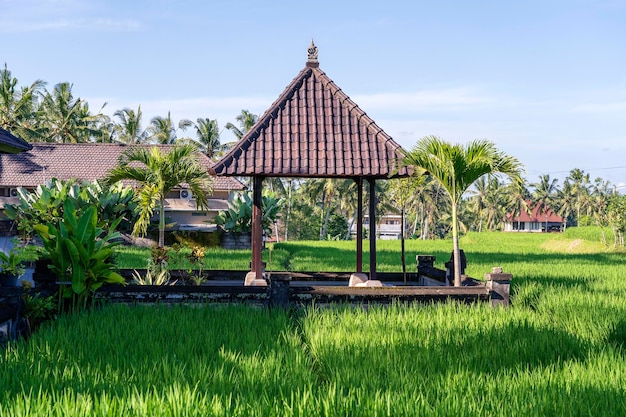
13 192
185 194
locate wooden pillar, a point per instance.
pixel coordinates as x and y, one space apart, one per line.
372 222
257 227
359 225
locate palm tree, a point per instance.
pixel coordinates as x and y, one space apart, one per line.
517 201
158 173
163 131
129 129
431 198
599 200
457 167
495 203
580 186
246 121
478 199
323 189
566 200
66 119
208 137
545 191
18 107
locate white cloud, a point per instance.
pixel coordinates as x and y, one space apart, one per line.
63 24
609 107
53 15
423 100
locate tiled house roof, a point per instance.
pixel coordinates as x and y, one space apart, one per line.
313 129
537 215
10 143
85 161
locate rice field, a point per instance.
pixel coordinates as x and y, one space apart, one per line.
559 350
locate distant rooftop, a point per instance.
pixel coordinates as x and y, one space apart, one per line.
9 143
83 161
538 214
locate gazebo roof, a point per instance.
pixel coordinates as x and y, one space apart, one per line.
10 143
314 129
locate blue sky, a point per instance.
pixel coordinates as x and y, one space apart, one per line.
544 80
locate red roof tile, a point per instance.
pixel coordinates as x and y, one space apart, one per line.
537 214
85 161
313 129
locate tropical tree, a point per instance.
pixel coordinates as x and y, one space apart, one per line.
616 213
400 193
18 105
347 203
431 198
545 191
321 191
488 201
129 130
566 202
158 173
580 187
163 130
517 200
208 138
599 200
456 168
66 119
246 120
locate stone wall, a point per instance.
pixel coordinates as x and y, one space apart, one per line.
237 240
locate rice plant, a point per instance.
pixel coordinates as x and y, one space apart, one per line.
558 350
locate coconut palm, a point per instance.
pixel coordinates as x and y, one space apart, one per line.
67 119
599 201
129 129
546 191
321 191
158 173
18 106
430 197
478 200
162 130
457 167
517 201
246 121
566 202
580 186
208 138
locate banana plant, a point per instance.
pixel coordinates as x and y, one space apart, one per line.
81 251
45 204
238 217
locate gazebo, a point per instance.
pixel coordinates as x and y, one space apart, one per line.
314 130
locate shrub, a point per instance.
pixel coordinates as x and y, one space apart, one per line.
80 250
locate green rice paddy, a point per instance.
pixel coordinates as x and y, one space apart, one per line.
559 350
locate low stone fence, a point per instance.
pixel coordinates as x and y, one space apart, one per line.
224 292
283 291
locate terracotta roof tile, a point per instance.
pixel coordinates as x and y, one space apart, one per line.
537 214
86 161
313 129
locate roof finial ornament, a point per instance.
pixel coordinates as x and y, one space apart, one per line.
312 56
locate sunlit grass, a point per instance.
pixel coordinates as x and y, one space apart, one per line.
558 350
396 360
